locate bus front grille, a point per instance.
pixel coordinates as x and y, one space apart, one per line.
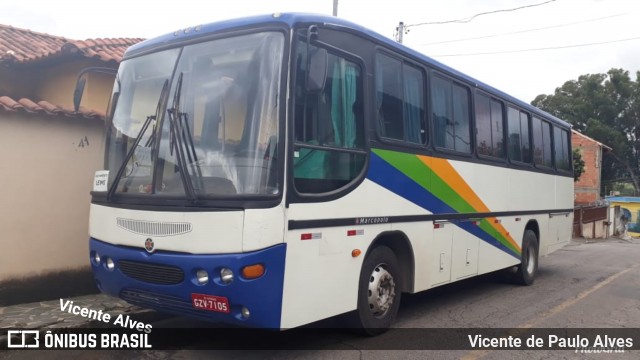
151 273
154 228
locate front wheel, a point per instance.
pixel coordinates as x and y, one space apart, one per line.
379 292
526 272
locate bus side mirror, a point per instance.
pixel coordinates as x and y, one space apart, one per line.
82 81
317 71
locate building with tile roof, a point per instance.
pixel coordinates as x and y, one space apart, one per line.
37 68
49 156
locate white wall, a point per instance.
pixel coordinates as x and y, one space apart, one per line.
46 174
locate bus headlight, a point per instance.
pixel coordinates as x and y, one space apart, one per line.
96 258
110 264
226 275
202 276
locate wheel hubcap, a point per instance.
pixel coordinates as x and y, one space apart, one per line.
382 291
530 261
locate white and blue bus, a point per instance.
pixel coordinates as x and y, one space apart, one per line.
277 170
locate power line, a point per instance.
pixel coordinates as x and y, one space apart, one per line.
538 49
469 19
522 31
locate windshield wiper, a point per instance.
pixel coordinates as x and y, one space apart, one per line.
150 141
180 136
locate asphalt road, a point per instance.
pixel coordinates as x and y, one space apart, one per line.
584 285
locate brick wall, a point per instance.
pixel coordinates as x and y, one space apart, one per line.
587 189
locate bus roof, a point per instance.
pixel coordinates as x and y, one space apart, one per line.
292 19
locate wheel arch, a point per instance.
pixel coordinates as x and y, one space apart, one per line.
399 243
533 226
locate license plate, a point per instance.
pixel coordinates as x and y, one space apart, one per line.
210 302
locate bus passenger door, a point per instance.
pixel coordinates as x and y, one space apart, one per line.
465 252
440 271
326 160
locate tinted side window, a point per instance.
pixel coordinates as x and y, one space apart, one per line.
546 139
561 147
461 118
524 131
400 100
542 154
389 97
414 109
489 126
515 144
450 104
518 139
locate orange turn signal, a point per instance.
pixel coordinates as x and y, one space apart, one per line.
253 271
356 252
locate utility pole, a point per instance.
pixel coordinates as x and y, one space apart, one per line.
335 7
400 32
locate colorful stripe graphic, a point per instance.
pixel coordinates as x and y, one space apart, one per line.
436 186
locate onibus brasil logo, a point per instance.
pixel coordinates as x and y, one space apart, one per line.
82 339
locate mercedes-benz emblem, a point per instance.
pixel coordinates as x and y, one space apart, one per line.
148 245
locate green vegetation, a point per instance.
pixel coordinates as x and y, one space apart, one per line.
605 107
578 165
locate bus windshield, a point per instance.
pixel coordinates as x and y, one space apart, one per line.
199 121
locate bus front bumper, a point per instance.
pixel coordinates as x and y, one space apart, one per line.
168 282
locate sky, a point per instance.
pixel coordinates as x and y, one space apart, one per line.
524 52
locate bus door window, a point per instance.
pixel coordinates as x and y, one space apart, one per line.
329 126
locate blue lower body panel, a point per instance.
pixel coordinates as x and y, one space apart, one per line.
165 281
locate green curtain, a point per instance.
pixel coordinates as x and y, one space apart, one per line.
343 97
412 106
440 90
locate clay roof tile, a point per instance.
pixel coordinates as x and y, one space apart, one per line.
24 46
45 107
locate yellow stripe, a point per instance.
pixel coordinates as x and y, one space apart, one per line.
446 172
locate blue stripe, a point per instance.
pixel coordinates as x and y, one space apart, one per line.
387 176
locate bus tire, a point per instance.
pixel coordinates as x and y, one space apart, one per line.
379 292
526 271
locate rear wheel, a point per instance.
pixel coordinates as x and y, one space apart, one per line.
526 271
379 292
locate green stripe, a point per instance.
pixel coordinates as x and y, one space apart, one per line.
419 172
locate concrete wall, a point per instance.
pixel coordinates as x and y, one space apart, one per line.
587 189
48 163
612 222
47 170
595 230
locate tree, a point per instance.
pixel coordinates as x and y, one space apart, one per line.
605 107
578 165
